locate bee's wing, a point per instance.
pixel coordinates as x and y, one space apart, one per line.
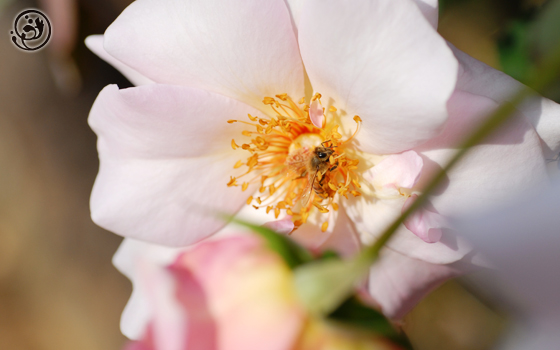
298 168
297 164
310 186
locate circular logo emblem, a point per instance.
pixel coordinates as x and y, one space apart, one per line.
32 30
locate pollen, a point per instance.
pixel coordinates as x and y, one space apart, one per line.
299 168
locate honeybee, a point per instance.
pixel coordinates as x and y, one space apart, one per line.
314 164
319 165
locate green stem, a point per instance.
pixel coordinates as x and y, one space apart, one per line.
502 114
323 286
546 74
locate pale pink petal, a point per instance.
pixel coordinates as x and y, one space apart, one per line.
398 282
201 332
250 293
480 79
521 239
536 334
310 234
352 57
245 49
508 162
95 44
430 10
316 114
169 320
344 240
136 314
166 157
139 310
425 222
394 172
372 217
180 318
295 7
283 227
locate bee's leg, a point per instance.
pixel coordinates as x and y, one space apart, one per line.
322 178
333 168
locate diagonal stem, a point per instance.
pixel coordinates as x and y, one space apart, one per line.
323 286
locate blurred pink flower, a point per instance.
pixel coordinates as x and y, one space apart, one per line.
231 294
165 146
134 258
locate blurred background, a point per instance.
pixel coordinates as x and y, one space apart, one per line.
58 289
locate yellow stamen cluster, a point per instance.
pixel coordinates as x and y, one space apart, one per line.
285 161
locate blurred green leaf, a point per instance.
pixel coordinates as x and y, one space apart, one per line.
328 254
293 254
514 50
545 32
445 4
323 285
355 313
527 43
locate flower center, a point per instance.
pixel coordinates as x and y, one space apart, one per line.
299 159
